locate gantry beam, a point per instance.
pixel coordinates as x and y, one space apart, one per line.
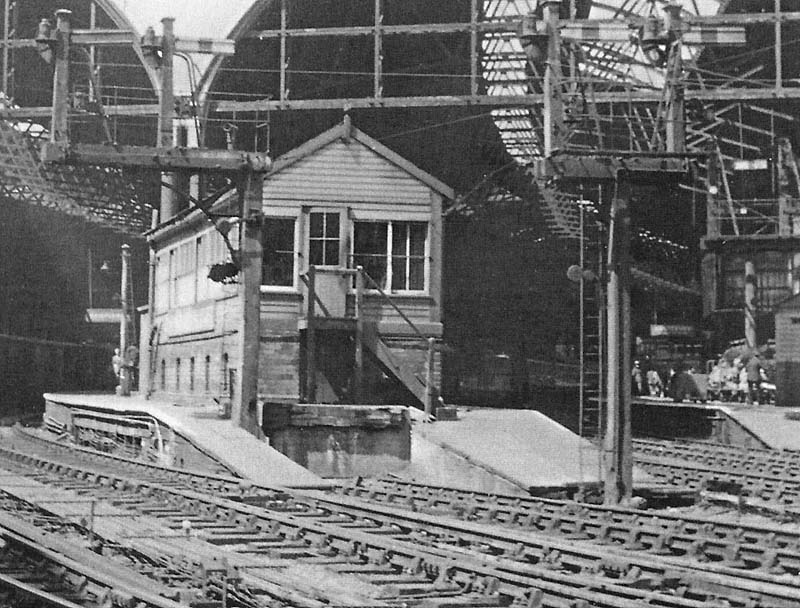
489 101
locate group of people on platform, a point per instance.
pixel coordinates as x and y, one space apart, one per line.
742 380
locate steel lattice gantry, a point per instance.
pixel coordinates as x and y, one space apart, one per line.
613 95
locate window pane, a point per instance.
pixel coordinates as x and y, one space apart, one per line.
332 225
370 237
375 267
279 234
278 265
416 280
399 238
398 273
369 249
418 233
315 256
316 229
331 253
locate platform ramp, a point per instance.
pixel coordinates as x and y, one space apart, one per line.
768 423
231 446
523 447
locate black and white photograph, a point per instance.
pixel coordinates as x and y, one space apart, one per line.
399 304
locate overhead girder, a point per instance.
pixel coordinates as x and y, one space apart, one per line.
604 57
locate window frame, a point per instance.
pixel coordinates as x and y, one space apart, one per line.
391 222
344 223
293 288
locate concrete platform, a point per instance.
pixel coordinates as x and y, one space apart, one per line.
228 444
767 423
522 448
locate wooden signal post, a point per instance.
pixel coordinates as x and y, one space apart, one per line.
244 167
661 41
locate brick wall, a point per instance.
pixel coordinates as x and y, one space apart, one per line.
279 367
198 391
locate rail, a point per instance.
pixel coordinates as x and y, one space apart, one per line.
424 554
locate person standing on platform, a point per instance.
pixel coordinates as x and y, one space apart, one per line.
116 364
654 385
637 379
754 369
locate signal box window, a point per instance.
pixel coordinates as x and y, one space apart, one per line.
323 239
278 264
392 253
408 256
370 249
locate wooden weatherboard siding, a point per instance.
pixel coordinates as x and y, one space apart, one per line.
346 172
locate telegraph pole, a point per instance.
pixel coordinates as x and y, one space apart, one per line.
59 126
617 457
245 168
660 39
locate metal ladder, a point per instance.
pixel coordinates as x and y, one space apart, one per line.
592 333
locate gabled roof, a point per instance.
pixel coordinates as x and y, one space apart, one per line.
346 131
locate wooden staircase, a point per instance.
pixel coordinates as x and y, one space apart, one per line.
388 361
365 339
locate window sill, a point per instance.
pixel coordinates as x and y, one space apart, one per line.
276 290
397 294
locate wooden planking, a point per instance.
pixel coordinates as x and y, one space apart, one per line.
346 172
787 335
415 308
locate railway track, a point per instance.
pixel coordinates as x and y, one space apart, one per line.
608 524
772 477
48 572
424 556
770 462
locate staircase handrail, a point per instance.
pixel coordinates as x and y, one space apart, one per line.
317 299
386 296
